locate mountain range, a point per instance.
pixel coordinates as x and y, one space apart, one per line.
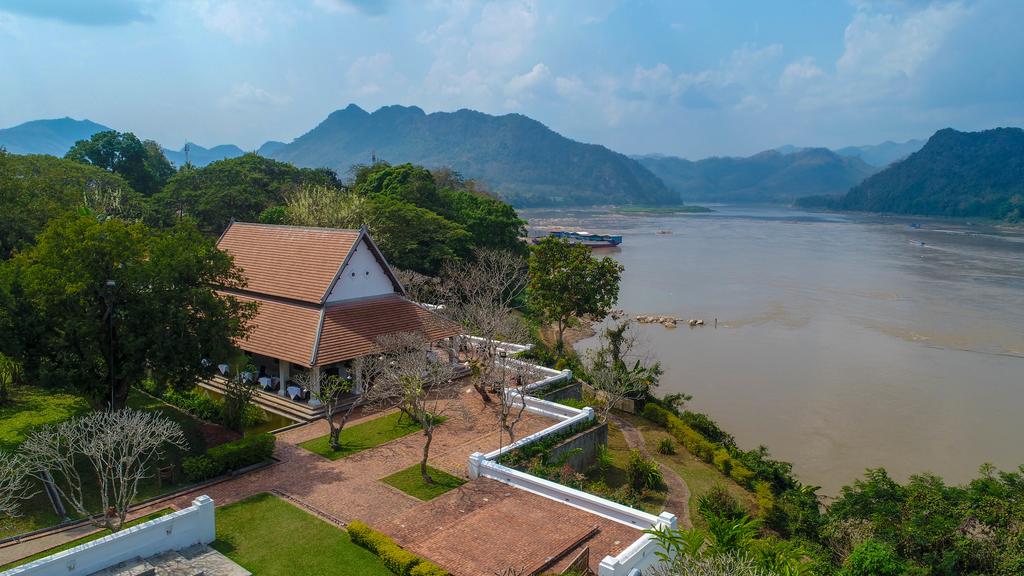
955 174
768 177
520 159
879 155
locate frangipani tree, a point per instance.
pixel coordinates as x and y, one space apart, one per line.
111 452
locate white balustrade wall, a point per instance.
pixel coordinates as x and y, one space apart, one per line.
175 531
639 555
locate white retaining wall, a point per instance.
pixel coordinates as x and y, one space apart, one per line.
175 531
639 555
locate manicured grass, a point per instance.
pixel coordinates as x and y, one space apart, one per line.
411 482
363 436
269 537
83 540
32 407
698 475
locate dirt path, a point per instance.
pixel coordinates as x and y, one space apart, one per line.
678 501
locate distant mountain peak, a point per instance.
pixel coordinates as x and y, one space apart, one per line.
517 157
53 136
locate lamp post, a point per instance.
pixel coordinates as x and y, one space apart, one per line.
504 403
109 297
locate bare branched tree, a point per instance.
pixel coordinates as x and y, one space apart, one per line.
15 485
418 287
618 369
111 452
515 377
411 377
482 295
330 388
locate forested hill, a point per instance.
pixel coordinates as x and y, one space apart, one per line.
768 177
956 174
54 137
520 159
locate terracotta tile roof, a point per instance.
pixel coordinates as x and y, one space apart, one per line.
285 330
288 261
350 329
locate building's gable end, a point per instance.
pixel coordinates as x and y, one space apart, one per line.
363 275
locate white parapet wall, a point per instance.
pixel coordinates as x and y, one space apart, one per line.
641 554
175 531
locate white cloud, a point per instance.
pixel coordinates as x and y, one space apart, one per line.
241 20
373 75
798 73
530 81
245 95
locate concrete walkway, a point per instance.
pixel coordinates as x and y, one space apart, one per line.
678 501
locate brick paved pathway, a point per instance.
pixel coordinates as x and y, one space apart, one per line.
528 527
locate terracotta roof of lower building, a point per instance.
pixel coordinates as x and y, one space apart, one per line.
281 329
351 329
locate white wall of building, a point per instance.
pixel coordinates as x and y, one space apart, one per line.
176 531
362 276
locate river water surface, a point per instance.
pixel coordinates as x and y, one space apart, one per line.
843 342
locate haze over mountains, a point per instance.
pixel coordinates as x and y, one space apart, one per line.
956 174
768 177
522 160
527 164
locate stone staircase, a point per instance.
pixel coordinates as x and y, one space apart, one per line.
198 560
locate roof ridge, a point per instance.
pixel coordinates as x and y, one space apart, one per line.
294 227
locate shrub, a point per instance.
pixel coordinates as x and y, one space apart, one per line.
873 558
765 497
723 461
399 561
427 568
708 428
741 474
666 446
643 473
573 403
228 457
196 402
656 414
718 503
202 467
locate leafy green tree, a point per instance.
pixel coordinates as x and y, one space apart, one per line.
143 165
490 222
160 314
36 188
873 558
567 282
407 183
240 188
415 238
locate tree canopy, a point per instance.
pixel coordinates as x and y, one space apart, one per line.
165 316
35 189
141 164
240 188
567 283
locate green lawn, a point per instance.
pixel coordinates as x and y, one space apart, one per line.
32 407
411 482
698 475
363 436
269 537
83 540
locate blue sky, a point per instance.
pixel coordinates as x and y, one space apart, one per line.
686 78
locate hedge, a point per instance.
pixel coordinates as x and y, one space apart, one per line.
394 557
229 457
700 446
